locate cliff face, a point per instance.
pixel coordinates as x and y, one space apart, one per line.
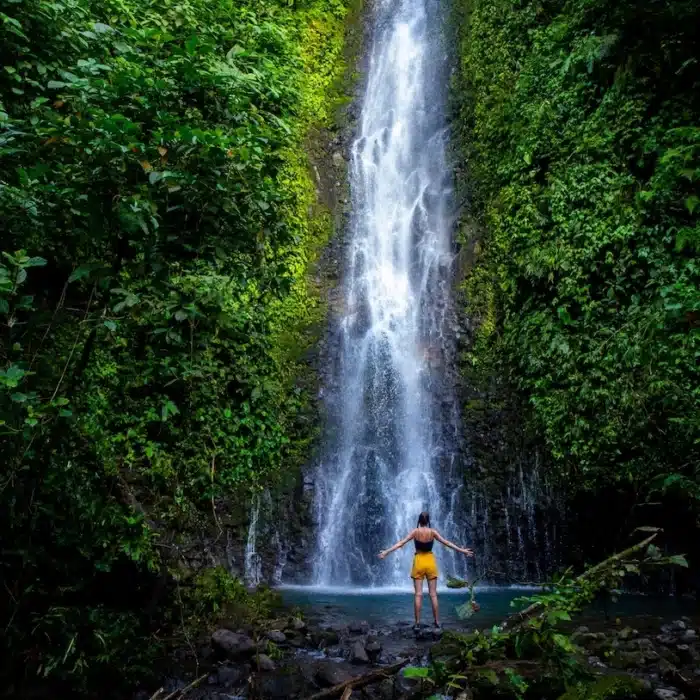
576 131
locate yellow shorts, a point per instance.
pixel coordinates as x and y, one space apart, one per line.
424 566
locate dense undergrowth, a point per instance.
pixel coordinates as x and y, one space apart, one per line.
580 122
157 221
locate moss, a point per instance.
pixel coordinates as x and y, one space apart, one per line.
607 687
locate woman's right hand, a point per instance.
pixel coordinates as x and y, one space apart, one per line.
382 554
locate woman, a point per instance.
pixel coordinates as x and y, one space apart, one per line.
424 564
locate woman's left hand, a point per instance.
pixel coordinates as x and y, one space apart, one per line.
382 554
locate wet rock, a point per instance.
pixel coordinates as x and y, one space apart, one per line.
330 673
679 625
276 636
232 644
373 649
666 639
689 636
627 633
297 624
596 662
628 659
296 640
668 694
687 654
228 676
666 668
358 654
358 627
264 663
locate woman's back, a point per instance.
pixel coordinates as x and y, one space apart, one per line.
423 538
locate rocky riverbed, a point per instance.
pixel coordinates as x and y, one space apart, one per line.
294 658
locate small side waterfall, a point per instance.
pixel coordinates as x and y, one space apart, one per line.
393 438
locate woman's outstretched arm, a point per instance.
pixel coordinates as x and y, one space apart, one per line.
447 543
398 545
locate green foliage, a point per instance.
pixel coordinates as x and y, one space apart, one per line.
151 162
536 634
580 125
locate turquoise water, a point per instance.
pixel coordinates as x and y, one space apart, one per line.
390 606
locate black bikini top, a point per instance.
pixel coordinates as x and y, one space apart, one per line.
424 546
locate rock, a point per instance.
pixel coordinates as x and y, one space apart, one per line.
276 636
596 662
264 663
228 676
232 644
297 641
668 694
687 654
358 627
666 639
689 636
297 625
359 655
627 633
666 668
373 649
679 625
329 674
628 659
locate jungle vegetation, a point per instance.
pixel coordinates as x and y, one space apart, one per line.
579 122
157 223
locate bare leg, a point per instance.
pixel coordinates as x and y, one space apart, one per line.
432 589
418 599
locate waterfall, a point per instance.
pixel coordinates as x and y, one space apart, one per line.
253 561
392 443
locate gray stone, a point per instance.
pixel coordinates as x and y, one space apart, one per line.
373 649
358 627
668 694
679 625
232 644
329 674
264 663
230 675
689 636
297 625
666 668
276 636
687 654
358 654
627 633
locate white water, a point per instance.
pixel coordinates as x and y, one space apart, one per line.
391 450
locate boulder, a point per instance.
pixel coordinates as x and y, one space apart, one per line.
358 654
687 654
297 624
373 649
296 640
228 676
358 627
264 663
668 694
689 636
232 644
330 673
276 636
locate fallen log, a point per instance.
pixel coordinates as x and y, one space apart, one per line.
518 618
360 682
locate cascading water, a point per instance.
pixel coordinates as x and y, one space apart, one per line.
393 439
